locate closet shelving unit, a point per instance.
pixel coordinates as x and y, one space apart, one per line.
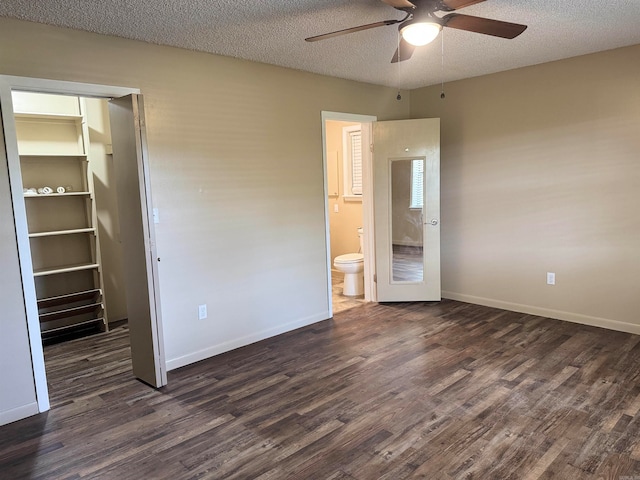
65 250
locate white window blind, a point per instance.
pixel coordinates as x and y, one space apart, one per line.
417 184
352 162
355 140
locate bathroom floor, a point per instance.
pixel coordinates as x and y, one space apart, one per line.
341 302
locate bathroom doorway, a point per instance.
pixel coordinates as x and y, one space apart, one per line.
347 187
390 254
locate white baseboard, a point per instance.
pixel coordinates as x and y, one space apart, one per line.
19 413
547 312
209 352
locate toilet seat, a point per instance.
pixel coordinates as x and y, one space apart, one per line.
349 258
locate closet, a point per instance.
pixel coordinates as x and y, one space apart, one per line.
59 152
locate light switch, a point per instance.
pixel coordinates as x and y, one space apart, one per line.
335 207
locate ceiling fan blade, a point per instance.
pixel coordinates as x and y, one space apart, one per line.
458 4
403 52
497 28
399 3
351 30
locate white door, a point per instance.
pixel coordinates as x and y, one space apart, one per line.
138 241
406 196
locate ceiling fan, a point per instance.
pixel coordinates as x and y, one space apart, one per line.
421 26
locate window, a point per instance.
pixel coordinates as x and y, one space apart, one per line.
352 160
417 184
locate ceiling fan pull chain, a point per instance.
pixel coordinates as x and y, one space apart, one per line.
442 95
398 97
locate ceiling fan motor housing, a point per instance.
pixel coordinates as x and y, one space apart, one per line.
421 17
421 14
427 6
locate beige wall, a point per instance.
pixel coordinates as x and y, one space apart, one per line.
343 224
541 173
236 173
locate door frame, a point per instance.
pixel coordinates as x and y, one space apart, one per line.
38 85
367 201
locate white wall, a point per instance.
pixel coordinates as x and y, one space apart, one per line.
236 173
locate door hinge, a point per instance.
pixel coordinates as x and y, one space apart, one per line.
375 278
371 147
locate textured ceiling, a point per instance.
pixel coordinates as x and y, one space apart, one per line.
273 31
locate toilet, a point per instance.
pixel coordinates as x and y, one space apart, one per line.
352 265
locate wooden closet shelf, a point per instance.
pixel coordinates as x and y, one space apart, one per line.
82 156
54 195
62 232
53 144
91 296
75 325
42 272
60 117
70 312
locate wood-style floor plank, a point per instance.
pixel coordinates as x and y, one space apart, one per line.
438 391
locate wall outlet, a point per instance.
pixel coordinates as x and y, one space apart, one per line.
551 278
202 312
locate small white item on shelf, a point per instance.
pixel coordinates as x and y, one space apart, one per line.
30 191
46 190
61 190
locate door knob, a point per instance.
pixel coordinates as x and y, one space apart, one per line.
433 222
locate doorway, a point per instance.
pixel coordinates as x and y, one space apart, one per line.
401 207
344 176
71 203
136 225
348 202
70 198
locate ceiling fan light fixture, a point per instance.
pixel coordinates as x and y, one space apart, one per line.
420 33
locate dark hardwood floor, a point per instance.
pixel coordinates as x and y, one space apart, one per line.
437 391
